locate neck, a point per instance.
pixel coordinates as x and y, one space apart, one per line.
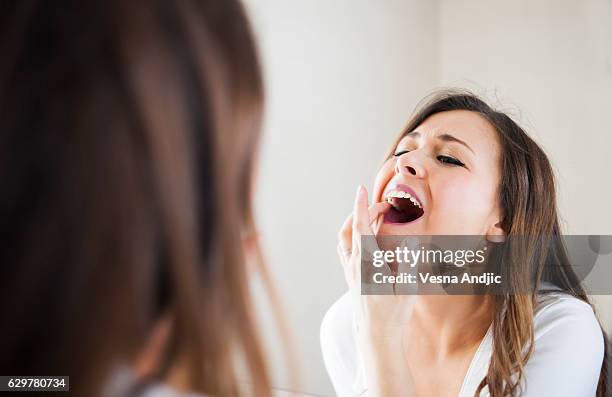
452 323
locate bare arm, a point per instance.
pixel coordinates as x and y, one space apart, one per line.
380 318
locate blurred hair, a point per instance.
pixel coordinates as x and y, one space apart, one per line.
128 133
527 197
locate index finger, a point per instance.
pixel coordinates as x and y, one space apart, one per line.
361 218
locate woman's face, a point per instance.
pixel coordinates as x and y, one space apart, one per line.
451 164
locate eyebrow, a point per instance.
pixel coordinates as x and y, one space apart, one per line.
442 137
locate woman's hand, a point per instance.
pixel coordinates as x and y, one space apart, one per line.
380 318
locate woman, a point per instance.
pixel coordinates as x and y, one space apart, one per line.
470 171
129 133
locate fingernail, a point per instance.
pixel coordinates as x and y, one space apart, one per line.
362 194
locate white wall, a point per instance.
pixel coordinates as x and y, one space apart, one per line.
343 76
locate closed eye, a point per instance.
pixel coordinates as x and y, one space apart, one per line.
450 161
443 159
397 154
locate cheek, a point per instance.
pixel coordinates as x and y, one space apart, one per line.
383 177
461 204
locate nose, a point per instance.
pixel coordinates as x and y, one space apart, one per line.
409 164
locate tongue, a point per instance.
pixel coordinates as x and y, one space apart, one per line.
402 211
396 216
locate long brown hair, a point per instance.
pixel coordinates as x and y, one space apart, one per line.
128 132
527 197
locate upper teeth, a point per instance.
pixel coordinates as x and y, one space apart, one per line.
402 194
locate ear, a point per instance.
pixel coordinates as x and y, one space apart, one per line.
250 241
152 354
496 234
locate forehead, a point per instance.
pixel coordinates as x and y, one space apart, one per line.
466 125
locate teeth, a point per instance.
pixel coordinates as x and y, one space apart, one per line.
401 194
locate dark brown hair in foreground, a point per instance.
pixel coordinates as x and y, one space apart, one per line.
128 131
527 197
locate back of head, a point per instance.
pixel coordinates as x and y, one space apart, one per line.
128 132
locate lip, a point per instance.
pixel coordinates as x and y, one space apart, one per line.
404 188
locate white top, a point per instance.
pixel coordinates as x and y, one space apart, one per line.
566 361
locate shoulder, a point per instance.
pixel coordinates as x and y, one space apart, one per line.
564 315
568 348
338 318
339 349
123 382
337 334
163 390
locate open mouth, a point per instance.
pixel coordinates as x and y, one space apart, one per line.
404 207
